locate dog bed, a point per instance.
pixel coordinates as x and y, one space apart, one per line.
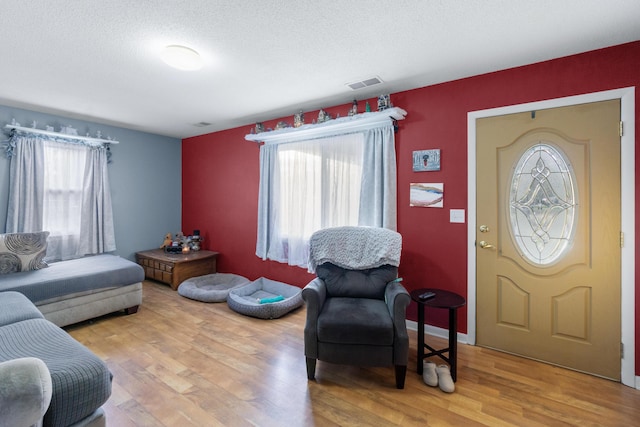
211 287
265 299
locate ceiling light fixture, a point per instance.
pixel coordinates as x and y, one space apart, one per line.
181 57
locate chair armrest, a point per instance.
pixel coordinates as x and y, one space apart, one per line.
398 299
26 390
314 295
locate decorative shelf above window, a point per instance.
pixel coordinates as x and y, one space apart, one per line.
60 135
342 125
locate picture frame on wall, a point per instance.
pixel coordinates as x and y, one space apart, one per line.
426 195
426 160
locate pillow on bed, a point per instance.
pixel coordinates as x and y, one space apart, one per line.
22 251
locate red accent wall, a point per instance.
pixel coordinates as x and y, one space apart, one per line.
221 170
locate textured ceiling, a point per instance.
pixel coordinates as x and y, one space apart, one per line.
99 60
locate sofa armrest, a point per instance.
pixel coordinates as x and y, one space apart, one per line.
25 393
398 299
314 295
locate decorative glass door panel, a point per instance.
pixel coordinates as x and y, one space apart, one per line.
542 204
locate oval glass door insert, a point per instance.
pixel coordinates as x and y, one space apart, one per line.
543 204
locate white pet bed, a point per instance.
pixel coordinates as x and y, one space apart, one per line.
253 299
211 287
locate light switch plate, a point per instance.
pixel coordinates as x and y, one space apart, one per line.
456 215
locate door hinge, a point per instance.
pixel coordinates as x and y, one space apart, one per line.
621 350
622 239
621 128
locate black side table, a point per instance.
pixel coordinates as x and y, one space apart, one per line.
443 299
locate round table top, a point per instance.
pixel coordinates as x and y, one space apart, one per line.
443 299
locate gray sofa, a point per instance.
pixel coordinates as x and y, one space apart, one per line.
36 299
68 292
80 381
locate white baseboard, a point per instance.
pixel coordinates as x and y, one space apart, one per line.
437 332
462 338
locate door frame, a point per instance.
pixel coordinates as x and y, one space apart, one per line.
627 181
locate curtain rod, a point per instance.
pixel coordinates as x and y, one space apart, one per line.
61 135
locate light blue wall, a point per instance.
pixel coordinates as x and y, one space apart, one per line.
145 176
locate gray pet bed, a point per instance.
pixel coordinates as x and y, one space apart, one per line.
246 299
211 287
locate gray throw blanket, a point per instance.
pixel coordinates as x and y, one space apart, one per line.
355 248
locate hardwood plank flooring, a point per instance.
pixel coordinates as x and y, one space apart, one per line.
179 362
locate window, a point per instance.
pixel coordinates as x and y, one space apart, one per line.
61 187
317 186
63 190
334 181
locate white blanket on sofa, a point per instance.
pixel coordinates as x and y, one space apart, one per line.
355 248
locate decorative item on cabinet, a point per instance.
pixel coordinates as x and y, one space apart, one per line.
196 240
179 239
173 249
168 239
298 119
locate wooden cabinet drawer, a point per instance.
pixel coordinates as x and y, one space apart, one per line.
173 269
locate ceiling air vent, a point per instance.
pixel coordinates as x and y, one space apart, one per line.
365 83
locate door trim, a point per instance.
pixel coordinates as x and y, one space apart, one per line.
627 181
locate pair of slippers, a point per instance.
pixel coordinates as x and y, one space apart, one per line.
437 376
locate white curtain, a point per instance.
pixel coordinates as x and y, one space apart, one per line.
378 194
96 226
67 194
305 186
26 188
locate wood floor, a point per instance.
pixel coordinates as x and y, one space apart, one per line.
179 362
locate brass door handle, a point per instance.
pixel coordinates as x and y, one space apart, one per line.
485 245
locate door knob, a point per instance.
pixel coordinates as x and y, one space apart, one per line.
484 228
485 245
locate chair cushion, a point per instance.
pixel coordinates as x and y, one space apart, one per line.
355 321
369 283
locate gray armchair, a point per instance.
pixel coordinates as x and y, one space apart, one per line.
356 306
